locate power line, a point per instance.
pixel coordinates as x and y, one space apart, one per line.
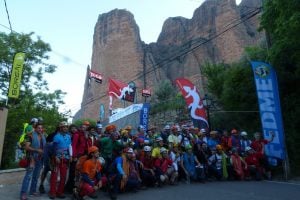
52 51
187 50
8 16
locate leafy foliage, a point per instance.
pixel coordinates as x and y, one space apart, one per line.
34 101
281 20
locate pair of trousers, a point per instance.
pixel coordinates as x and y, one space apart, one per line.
60 168
32 174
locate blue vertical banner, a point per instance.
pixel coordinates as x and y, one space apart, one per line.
144 115
269 106
101 112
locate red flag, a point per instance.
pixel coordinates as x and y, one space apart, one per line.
96 76
193 101
120 90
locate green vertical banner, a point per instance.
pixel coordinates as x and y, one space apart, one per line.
16 76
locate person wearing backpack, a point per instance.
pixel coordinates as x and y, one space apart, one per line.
33 145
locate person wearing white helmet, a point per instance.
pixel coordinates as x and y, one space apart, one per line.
33 144
245 142
254 168
164 168
127 177
148 174
63 154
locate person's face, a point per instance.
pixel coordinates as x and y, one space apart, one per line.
165 154
64 129
129 155
99 130
73 129
257 136
92 131
39 129
83 127
142 130
225 133
96 154
204 146
161 143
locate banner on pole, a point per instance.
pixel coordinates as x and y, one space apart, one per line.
269 106
144 115
96 76
193 101
16 76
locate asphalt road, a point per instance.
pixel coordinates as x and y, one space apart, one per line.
251 190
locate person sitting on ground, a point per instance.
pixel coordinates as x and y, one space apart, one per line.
91 174
254 168
164 169
212 141
190 165
238 165
127 175
159 144
218 164
148 174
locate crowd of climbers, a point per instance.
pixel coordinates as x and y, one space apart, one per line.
114 159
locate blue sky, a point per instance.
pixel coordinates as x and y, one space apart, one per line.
68 26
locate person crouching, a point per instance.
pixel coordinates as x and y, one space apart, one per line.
91 174
164 168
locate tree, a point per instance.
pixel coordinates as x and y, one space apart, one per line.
281 21
233 87
168 100
34 101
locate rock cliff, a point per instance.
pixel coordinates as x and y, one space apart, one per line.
218 32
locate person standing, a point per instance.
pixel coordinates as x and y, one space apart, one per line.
62 157
34 144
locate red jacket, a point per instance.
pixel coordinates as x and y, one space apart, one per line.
79 144
253 159
163 164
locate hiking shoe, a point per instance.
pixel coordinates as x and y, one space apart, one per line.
61 196
51 196
93 196
23 197
42 189
35 194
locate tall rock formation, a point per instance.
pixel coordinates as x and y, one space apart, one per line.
218 32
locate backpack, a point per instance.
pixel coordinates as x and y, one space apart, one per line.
22 137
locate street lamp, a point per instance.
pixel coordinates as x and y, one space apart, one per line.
207 103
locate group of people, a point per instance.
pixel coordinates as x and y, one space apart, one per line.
87 158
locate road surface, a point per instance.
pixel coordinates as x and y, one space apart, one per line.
234 190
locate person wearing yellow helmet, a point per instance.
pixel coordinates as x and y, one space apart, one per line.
218 164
